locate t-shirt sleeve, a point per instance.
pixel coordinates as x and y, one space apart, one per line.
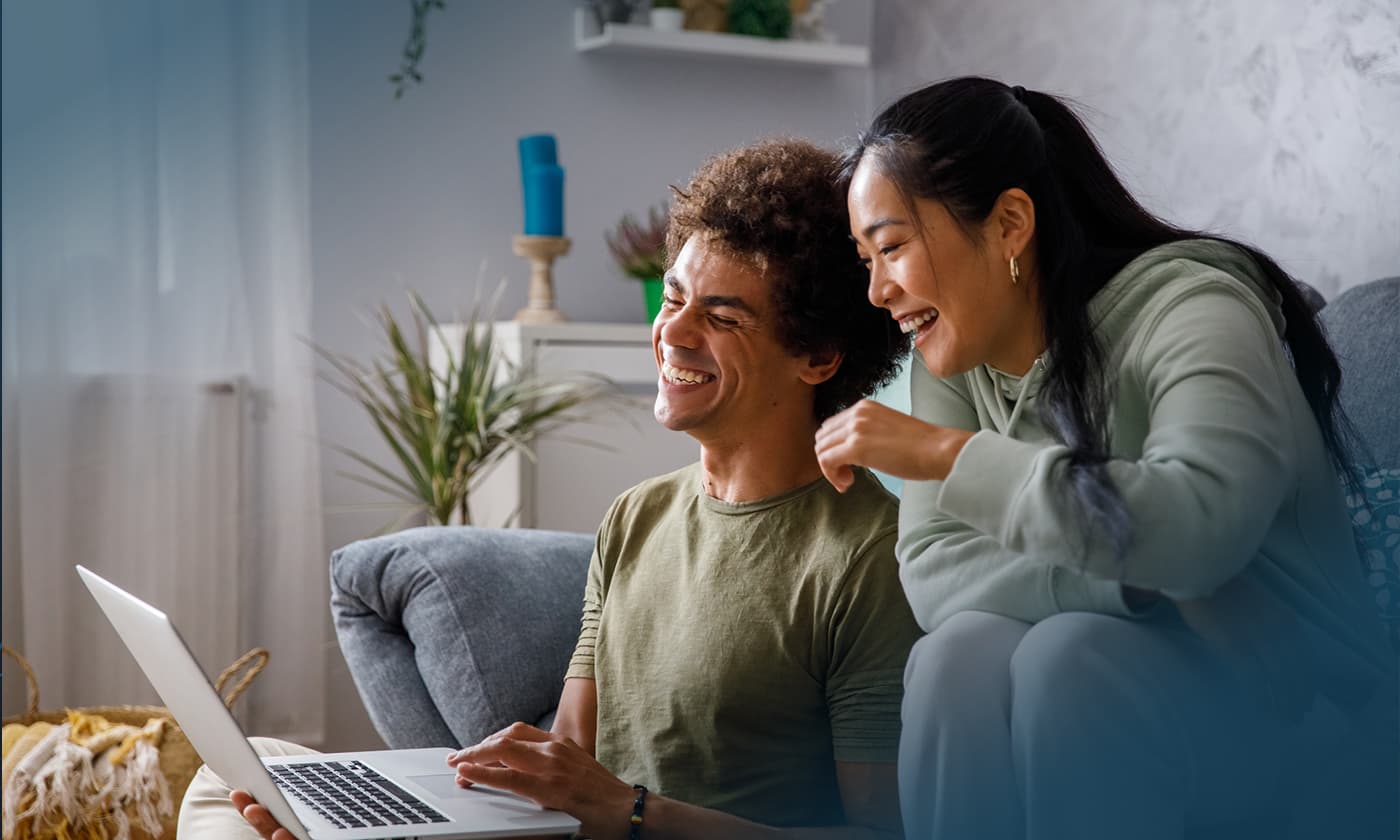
872 630
581 664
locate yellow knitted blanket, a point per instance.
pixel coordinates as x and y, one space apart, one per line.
86 779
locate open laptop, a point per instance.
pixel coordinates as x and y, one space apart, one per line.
328 796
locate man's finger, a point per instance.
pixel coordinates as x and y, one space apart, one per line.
525 755
256 815
264 823
505 778
514 732
524 732
462 782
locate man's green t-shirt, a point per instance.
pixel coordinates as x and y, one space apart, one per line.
741 650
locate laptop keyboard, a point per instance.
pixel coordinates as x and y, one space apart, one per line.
349 794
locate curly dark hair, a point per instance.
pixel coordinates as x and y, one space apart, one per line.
778 204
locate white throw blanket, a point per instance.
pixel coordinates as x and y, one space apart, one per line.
87 778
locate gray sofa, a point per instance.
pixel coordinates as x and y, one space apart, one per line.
453 633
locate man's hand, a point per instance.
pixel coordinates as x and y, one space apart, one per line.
259 817
869 434
553 771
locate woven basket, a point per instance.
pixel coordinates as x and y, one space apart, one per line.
178 759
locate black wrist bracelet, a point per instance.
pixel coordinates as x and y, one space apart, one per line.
637 806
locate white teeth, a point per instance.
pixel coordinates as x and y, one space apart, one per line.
680 376
913 322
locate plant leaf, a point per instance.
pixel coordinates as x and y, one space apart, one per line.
448 425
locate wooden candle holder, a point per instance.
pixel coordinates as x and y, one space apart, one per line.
541 251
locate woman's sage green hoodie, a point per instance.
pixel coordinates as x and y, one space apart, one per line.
1237 513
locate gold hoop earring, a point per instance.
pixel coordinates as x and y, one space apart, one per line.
1015 271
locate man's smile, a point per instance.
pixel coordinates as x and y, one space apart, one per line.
684 376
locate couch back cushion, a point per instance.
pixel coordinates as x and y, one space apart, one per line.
1363 324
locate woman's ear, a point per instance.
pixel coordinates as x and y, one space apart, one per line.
820 367
1014 218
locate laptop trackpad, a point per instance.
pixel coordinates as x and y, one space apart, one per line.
444 786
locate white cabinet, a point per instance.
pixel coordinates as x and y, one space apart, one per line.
579 469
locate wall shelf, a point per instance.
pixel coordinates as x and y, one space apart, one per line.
619 38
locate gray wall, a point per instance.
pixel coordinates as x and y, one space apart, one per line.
419 192
1276 122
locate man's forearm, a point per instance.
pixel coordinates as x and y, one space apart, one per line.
577 715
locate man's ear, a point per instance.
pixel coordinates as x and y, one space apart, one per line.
820 367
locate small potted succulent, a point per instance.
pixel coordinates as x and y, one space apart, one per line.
640 250
667 15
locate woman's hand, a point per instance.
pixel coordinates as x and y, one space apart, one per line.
259 817
553 771
869 434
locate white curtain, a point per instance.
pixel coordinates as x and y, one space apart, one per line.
158 397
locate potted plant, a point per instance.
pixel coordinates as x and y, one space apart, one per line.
761 18
640 251
667 15
612 11
447 423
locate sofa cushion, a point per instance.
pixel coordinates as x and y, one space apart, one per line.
1363 324
453 633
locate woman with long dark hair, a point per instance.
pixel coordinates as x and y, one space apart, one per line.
1122 527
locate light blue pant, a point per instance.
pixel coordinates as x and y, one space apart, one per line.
1082 726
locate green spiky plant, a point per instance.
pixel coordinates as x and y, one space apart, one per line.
448 426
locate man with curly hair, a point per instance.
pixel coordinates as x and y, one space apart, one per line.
744 631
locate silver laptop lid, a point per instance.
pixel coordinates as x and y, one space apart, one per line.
182 685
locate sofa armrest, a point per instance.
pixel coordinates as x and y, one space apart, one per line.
452 633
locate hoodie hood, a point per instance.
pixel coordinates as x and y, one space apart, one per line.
1126 294
1004 397
1006 401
